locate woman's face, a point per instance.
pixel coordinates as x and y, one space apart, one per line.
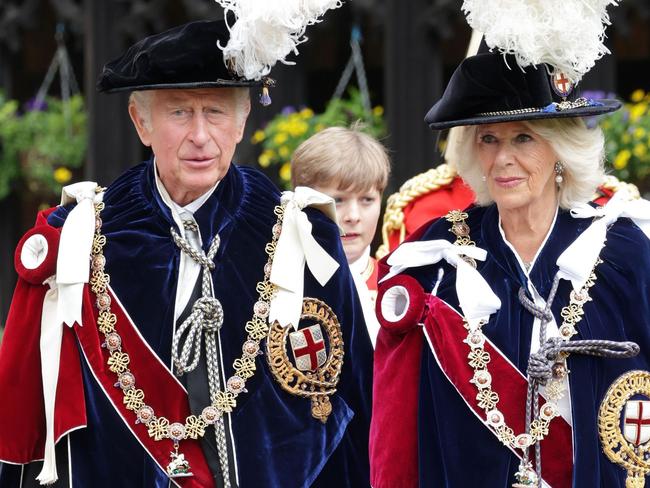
518 165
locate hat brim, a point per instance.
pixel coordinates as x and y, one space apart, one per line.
604 106
188 86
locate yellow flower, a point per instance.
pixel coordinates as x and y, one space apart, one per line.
622 158
605 124
639 133
62 175
306 113
319 127
637 95
640 150
258 137
280 138
626 138
285 172
378 111
297 128
265 158
637 111
284 152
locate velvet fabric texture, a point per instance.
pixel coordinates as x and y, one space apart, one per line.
186 56
492 82
454 448
277 441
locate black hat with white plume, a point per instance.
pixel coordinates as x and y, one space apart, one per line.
538 52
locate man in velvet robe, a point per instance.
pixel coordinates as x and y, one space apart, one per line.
191 111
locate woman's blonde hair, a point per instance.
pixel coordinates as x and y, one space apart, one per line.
581 150
347 158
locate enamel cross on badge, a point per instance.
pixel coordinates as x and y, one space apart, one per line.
317 356
308 347
624 425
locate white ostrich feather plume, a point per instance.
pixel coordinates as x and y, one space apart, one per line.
267 31
566 34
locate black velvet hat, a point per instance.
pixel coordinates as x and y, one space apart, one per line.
186 56
490 87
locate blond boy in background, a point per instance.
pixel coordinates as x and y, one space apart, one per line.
353 168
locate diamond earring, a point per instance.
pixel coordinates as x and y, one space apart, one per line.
559 170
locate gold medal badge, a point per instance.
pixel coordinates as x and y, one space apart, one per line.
624 425
316 367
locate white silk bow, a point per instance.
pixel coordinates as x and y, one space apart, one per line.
578 260
72 267
296 246
475 296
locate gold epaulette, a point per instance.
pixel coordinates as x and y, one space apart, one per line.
419 185
611 182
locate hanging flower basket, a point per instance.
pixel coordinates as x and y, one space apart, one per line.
40 147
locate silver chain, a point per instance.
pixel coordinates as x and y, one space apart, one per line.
206 319
553 349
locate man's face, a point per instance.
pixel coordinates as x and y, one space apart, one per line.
193 134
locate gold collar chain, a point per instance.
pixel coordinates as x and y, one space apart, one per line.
194 426
479 359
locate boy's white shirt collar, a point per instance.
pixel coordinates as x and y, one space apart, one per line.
360 265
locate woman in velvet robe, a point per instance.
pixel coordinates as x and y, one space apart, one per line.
481 304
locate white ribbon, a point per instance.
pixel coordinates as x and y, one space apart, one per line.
50 346
578 260
476 298
32 255
296 246
72 267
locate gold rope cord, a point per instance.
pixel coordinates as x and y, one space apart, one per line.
413 188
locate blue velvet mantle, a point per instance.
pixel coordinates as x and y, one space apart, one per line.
278 442
455 449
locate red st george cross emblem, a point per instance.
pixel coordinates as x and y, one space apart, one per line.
308 348
561 84
637 422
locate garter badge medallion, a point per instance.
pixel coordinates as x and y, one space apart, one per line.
317 356
624 425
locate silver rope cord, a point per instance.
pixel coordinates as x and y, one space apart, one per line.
206 319
554 349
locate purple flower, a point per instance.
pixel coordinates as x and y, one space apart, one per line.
33 105
288 110
595 94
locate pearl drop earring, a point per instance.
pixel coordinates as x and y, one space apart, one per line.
484 178
559 170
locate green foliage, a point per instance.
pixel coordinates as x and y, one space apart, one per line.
41 146
287 130
627 139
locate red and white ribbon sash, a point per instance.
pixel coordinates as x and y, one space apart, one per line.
162 390
444 329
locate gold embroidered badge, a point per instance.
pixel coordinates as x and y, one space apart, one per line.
317 357
624 425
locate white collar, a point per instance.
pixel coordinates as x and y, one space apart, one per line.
175 208
360 265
